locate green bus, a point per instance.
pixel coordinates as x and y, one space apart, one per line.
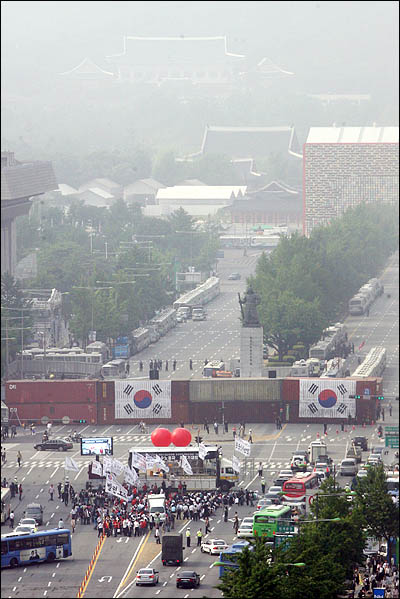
271 520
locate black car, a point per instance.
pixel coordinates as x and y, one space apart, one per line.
54 445
188 578
361 442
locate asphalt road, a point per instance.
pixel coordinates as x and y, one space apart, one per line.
119 558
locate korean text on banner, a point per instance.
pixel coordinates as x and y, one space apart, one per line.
235 463
185 465
97 468
130 476
242 446
113 487
142 399
138 461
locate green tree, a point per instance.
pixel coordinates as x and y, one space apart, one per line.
273 575
16 319
287 319
375 507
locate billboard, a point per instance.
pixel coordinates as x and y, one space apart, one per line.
142 399
97 446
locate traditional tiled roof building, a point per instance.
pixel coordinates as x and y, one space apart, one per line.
345 166
276 204
198 60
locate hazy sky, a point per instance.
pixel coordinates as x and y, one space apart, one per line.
332 47
342 43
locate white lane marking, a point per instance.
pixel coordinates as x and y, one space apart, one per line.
129 567
159 591
201 577
79 472
164 583
193 550
54 472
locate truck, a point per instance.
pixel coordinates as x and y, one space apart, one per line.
157 505
316 449
172 550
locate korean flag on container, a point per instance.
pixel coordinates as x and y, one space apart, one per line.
327 398
142 399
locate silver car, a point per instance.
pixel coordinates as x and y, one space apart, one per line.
146 576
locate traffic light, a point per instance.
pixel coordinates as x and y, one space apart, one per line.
82 421
380 397
355 396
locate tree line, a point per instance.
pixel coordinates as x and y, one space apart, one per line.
115 267
319 561
305 283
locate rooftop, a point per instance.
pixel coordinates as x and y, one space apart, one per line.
200 192
352 135
248 142
87 69
26 179
173 50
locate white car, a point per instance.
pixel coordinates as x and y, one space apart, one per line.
146 576
25 529
213 546
275 490
245 529
28 522
286 473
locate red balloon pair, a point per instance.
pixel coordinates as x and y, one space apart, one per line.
162 437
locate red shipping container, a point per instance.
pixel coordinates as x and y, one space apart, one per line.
53 399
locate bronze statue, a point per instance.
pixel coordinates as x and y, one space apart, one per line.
249 312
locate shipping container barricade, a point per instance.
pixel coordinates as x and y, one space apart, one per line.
92 564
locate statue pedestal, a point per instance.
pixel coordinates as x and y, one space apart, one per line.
251 351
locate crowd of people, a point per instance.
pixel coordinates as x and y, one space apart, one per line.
378 573
112 516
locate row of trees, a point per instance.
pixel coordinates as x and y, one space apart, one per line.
305 284
326 550
115 266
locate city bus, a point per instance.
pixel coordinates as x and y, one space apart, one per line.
267 521
5 504
228 558
303 483
27 548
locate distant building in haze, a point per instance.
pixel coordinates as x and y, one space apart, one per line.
346 166
21 182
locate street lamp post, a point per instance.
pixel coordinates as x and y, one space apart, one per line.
93 289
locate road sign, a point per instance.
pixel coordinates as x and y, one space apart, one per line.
66 420
283 527
392 442
44 419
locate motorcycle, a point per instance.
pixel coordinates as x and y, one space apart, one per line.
74 438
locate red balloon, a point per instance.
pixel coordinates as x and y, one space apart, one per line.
161 437
181 437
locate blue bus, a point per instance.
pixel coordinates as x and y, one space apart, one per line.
230 555
30 548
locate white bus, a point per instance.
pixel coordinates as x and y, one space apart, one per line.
140 339
200 296
114 369
373 365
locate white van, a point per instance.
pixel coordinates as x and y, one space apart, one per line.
157 506
348 467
